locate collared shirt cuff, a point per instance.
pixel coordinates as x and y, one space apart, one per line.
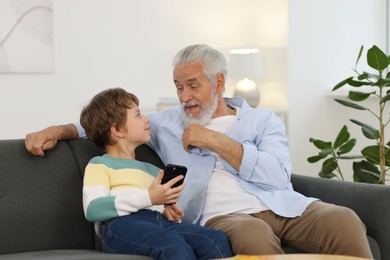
249 160
80 130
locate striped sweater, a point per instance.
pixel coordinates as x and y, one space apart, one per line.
116 187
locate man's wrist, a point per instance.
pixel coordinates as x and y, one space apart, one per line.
66 132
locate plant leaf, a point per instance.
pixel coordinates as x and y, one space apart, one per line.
387 156
351 157
359 96
347 147
327 176
358 122
320 144
342 83
342 137
368 131
364 171
350 104
386 82
356 83
367 75
328 166
363 76
325 152
377 59
359 55
314 159
385 98
371 153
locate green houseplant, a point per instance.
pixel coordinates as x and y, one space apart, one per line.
373 163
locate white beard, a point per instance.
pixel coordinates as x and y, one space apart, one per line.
206 113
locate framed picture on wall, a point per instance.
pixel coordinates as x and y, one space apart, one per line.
26 36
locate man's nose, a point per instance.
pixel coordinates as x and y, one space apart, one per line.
186 95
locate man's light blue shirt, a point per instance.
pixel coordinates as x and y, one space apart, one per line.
265 168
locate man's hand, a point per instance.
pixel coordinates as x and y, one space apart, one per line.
196 135
38 142
173 212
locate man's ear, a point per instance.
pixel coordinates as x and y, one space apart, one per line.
116 131
220 82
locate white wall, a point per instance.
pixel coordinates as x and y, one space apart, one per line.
102 43
324 40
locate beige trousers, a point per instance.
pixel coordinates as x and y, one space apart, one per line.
323 229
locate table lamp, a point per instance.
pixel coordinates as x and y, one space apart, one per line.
245 65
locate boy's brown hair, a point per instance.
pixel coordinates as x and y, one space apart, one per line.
105 109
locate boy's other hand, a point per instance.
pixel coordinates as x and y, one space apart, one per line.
173 212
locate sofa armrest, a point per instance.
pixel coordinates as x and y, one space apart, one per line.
371 202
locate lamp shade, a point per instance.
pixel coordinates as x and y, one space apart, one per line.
245 63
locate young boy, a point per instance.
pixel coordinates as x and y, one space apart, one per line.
125 195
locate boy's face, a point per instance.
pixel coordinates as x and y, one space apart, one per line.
137 129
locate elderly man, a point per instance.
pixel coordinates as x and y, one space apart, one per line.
239 169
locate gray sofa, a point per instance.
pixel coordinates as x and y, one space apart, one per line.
41 203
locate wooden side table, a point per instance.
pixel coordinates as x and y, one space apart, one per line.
297 257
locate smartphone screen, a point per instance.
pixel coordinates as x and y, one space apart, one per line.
173 170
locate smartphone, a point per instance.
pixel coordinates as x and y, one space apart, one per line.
173 170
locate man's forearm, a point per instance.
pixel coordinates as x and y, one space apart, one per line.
38 142
66 132
229 150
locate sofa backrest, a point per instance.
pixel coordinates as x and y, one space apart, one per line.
41 197
40 200
85 149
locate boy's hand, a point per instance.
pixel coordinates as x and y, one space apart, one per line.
163 193
173 213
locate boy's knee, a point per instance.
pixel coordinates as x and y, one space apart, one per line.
219 235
